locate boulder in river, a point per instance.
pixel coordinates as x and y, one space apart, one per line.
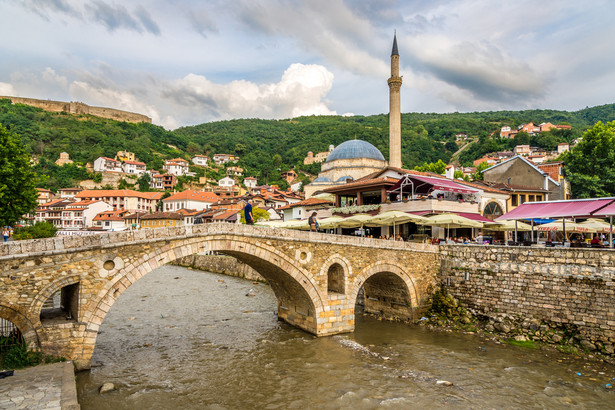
444 383
106 388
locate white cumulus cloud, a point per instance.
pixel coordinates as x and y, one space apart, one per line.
301 91
7 89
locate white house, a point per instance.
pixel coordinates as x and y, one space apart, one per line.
189 199
226 182
250 182
296 186
104 164
134 167
220 159
80 215
200 160
177 166
111 220
303 209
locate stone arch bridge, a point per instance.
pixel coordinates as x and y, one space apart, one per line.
316 277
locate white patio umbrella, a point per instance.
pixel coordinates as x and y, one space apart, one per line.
355 221
508 225
563 226
596 225
394 218
331 222
295 224
449 220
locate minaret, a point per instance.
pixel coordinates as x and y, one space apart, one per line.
394 109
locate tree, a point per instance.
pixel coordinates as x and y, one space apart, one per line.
590 165
435 167
143 182
17 179
258 214
478 175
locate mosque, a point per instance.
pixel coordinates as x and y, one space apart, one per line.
356 159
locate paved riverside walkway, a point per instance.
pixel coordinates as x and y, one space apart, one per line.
47 386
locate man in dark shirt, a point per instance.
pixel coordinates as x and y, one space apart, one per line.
247 212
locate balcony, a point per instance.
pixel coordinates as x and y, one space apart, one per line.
435 205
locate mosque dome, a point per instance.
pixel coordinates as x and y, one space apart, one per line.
344 179
322 179
354 149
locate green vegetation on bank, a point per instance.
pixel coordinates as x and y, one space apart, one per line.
268 147
37 231
19 356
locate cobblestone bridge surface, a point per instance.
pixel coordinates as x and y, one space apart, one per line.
316 277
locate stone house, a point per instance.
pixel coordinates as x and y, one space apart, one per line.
525 181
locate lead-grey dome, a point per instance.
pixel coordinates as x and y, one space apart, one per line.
355 149
322 179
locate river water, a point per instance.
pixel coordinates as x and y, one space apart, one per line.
185 339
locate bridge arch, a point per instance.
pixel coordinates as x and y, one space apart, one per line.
389 290
299 300
23 324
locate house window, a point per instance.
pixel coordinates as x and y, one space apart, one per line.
492 210
514 200
522 199
530 198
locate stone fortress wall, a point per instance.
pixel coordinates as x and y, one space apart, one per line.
79 108
572 289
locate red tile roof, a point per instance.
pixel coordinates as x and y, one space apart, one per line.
191 195
308 202
101 193
163 215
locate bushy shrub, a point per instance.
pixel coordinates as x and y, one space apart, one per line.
36 231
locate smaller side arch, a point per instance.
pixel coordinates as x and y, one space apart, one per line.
336 279
48 291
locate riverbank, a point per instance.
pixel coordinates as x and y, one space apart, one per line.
46 386
448 314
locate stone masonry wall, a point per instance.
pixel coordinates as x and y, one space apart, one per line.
567 288
220 264
80 108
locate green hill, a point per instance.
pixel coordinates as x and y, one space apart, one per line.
266 146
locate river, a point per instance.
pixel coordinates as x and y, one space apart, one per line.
185 339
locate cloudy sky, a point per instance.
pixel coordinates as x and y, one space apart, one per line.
185 62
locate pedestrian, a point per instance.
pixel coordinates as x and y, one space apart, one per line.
247 213
313 222
5 234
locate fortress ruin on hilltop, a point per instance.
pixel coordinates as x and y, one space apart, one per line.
80 108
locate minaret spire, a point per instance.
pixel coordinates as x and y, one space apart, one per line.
394 108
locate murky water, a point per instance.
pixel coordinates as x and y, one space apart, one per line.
183 339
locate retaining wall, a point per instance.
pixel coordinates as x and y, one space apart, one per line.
567 288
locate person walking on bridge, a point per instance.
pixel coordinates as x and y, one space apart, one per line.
313 222
247 213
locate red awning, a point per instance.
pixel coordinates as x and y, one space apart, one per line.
474 217
559 209
608 210
420 184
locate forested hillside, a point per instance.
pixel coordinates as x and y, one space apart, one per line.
267 146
